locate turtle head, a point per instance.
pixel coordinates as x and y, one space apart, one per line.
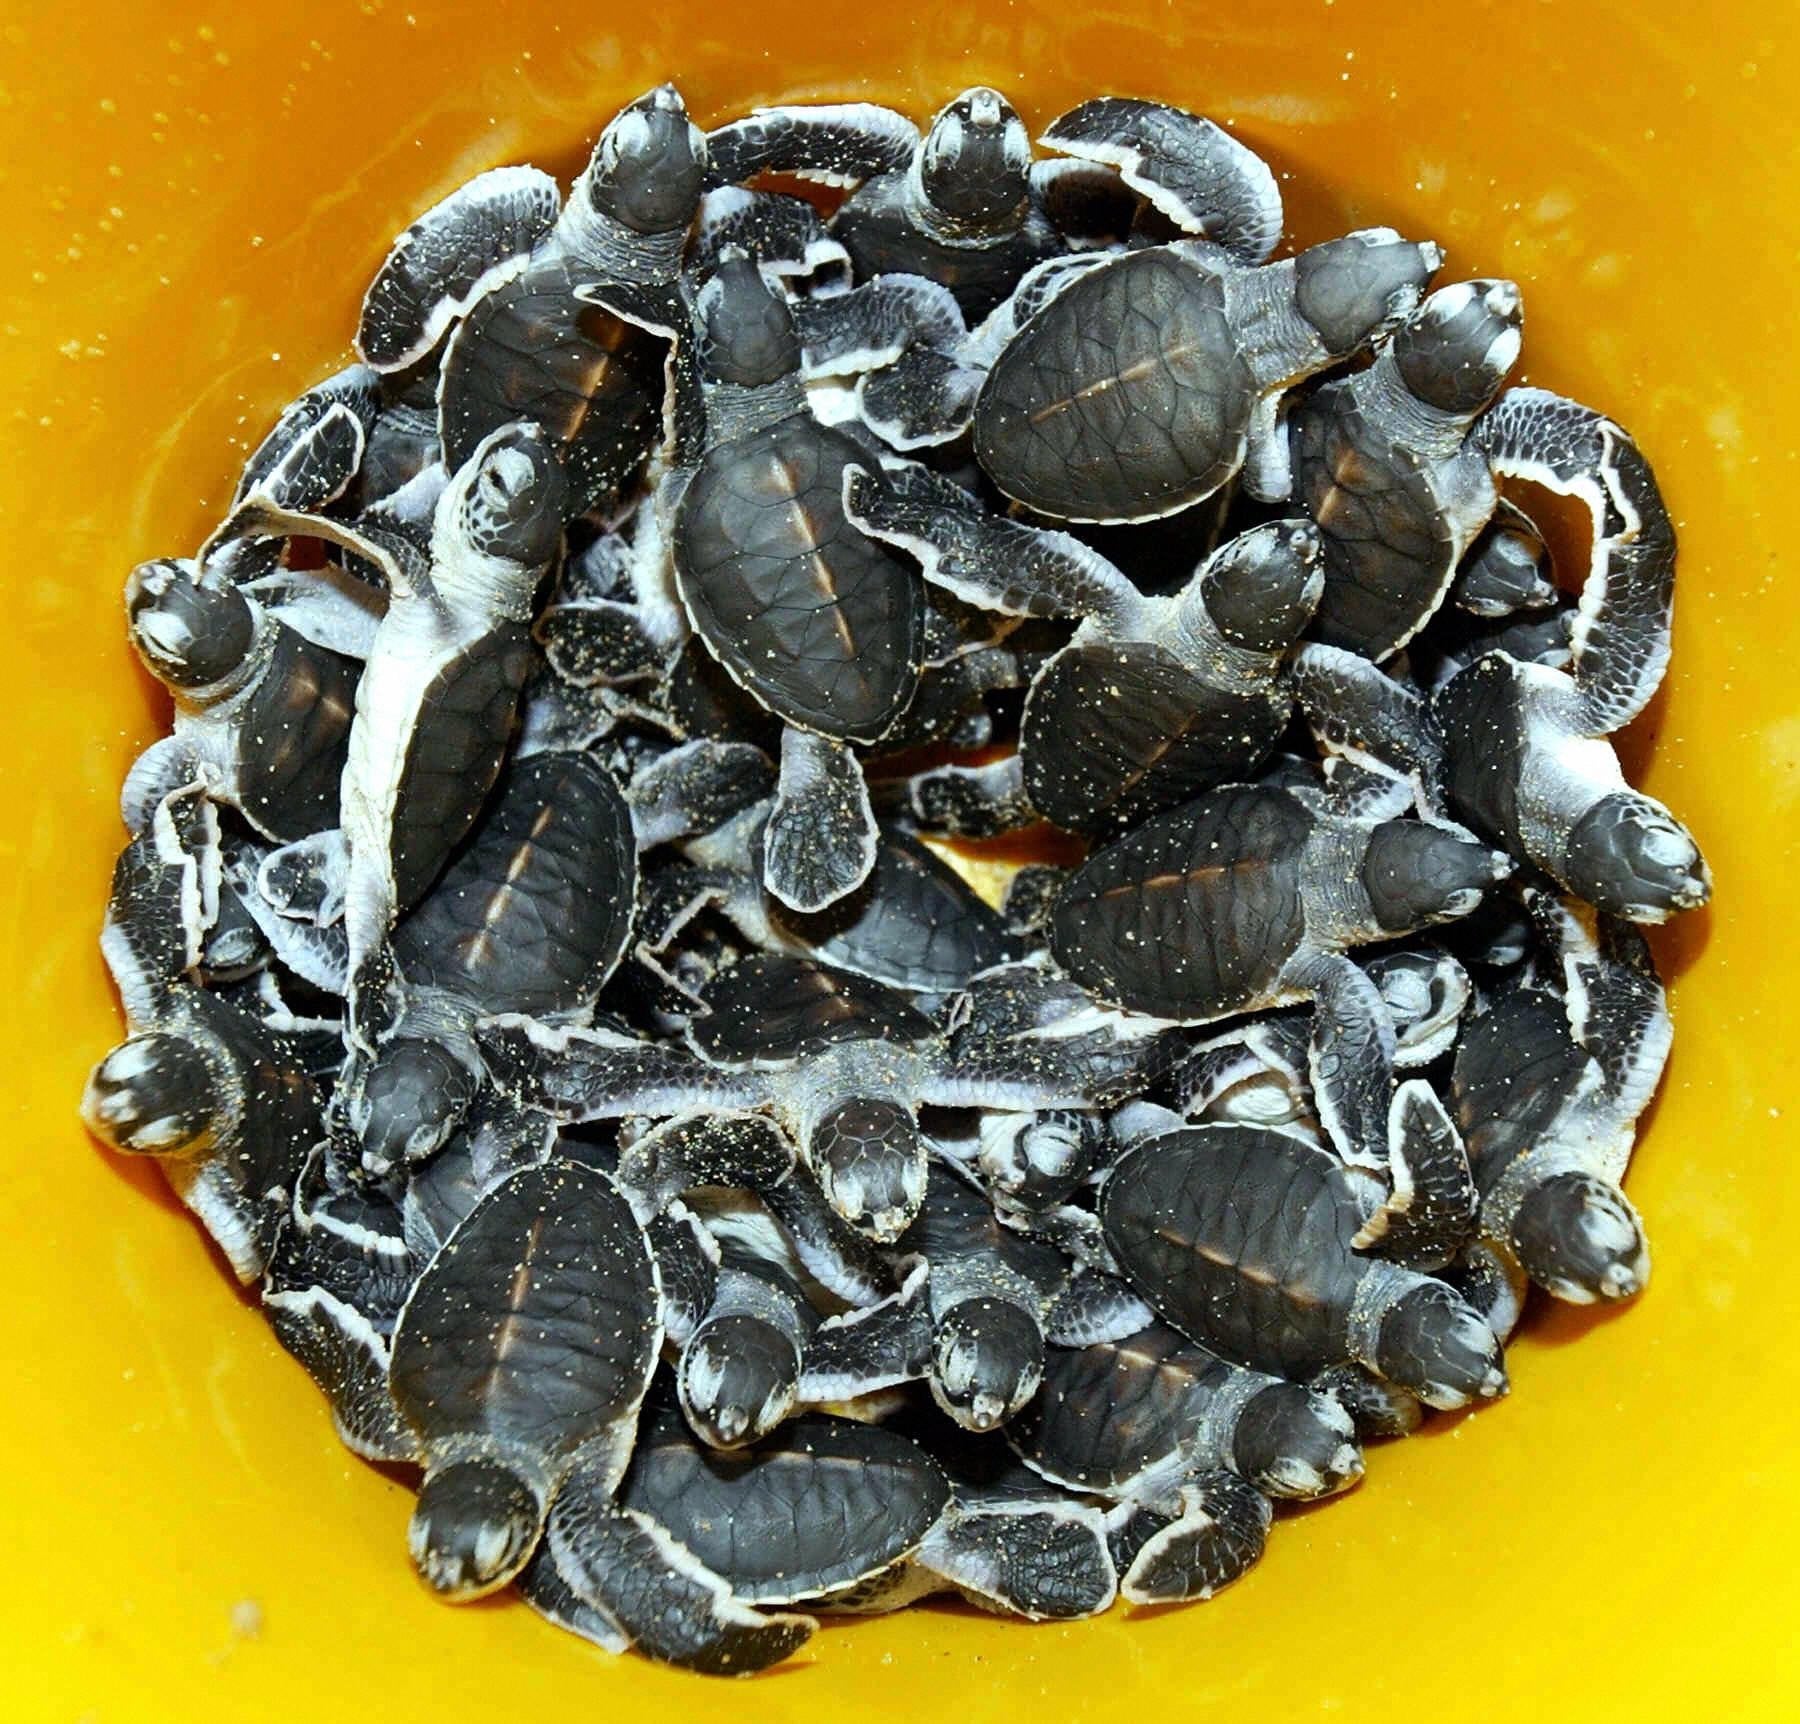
1353 289
745 330
473 1527
987 1360
1433 1342
1507 571
1417 873
738 1379
1627 855
870 1163
1036 1159
1262 587
404 1103
975 162
1292 1442
188 632
649 165
153 1095
1454 352
511 497
1579 1238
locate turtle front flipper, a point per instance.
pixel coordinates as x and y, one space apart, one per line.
982 558
312 472
872 325
925 398
458 251
1095 1307
878 1347
1356 709
1430 1212
1046 1559
655 1594
835 143
1216 1536
1621 640
714 1146
165 896
820 841
783 234
576 1074
1193 171
1351 1060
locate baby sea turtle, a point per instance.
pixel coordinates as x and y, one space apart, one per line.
1154 1421
532 915
220 1098
527 1344
1250 898
1518 750
1384 462
818 622
1155 699
1147 383
435 707
1548 1085
561 317
337 1278
961 212
1244 1239
262 710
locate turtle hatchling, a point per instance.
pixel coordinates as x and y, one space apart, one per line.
904 887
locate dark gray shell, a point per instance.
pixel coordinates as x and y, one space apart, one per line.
1108 1414
773 1008
533 914
532 351
537 1321
1195 913
914 924
1117 731
818 1505
1517 1069
1485 731
1125 398
821 623
455 752
1388 544
292 735
875 227
1241 1238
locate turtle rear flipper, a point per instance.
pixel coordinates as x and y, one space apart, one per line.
1430 1213
961 801
985 559
835 143
1357 709
1193 171
1095 1307
1047 1560
820 840
1216 1537
453 254
1621 640
654 1593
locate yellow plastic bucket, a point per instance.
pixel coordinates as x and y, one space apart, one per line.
195 196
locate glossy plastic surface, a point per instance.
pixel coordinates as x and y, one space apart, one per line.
195 195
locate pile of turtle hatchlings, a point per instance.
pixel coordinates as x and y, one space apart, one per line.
540 982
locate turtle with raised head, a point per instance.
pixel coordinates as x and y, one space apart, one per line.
220 1098
560 312
1518 748
1245 1240
1252 897
1155 698
436 704
1548 1084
